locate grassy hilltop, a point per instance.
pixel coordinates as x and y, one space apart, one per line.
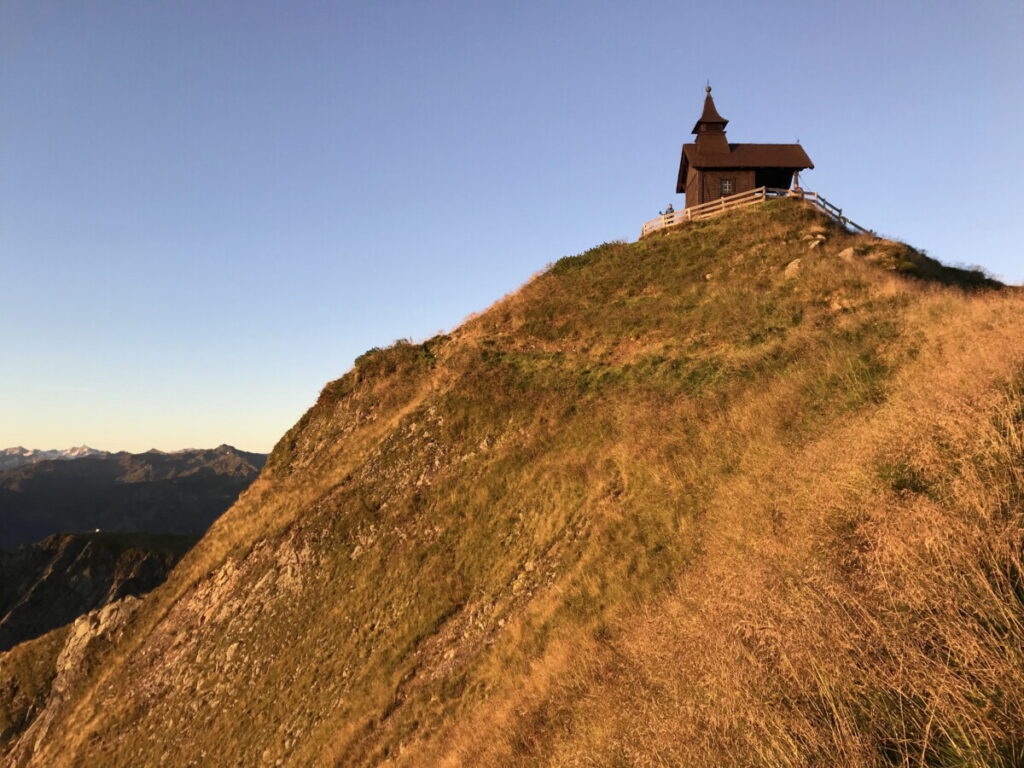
676 502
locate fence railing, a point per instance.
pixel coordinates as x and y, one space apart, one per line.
741 200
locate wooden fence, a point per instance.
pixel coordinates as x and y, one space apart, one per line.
741 200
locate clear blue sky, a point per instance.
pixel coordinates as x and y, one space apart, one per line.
208 209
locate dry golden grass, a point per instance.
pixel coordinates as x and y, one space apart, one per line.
857 601
662 506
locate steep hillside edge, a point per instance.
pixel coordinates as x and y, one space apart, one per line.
706 477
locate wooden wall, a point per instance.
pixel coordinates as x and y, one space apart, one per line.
705 186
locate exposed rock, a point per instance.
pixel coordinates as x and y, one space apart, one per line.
73 664
848 255
26 679
792 269
839 304
95 625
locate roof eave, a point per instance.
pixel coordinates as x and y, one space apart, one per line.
752 166
697 125
683 167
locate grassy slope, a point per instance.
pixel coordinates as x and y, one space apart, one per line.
662 506
26 674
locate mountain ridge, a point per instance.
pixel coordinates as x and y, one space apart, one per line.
17 456
180 492
11 458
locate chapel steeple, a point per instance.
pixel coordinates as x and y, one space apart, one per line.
709 117
710 127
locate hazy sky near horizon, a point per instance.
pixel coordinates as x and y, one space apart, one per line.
208 209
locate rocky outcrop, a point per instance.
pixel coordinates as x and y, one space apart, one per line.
30 718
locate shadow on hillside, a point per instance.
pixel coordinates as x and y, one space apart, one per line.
902 258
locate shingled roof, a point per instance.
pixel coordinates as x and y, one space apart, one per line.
749 156
710 113
743 156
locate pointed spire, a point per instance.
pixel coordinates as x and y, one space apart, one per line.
709 117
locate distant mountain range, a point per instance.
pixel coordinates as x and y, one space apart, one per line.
82 489
11 458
